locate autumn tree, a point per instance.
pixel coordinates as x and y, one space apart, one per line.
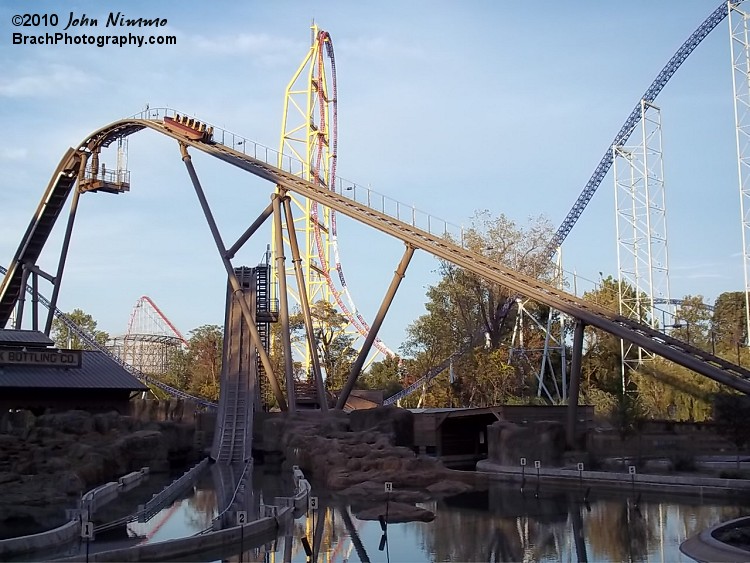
64 337
466 312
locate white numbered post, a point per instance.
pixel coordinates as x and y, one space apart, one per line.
523 461
631 469
241 516
87 530
388 487
537 464
313 503
580 466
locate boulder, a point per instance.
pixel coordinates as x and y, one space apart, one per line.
69 422
396 512
448 488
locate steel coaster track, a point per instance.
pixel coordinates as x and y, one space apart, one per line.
435 239
92 344
708 25
351 312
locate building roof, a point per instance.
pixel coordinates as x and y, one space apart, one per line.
97 371
24 337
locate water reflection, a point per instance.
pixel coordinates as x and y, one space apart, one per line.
503 525
499 524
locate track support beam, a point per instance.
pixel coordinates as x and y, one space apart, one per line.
234 282
305 304
250 231
575 383
286 339
373 333
63 253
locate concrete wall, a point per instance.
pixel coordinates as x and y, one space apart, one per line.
91 501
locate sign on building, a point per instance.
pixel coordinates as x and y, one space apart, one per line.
39 357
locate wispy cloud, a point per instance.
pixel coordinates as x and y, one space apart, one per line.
43 81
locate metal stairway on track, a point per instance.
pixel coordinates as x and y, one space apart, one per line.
265 313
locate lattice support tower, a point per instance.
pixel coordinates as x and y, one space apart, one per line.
640 215
526 359
309 135
740 52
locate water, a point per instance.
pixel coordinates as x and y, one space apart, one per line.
498 524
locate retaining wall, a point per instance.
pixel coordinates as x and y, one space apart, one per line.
275 519
92 500
679 484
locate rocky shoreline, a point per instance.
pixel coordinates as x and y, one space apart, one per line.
47 462
352 455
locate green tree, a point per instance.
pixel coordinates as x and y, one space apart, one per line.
464 311
729 323
334 343
178 370
66 338
602 362
205 347
692 322
385 375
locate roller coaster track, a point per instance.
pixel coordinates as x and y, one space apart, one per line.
708 25
433 238
92 344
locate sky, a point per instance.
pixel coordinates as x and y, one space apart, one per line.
452 107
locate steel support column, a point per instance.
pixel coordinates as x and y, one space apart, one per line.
63 254
305 304
232 278
22 298
250 231
575 383
34 301
286 339
372 335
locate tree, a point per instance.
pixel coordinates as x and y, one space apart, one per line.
693 323
334 343
464 311
602 362
66 338
729 322
205 347
385 375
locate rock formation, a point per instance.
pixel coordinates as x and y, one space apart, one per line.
352 456
47 462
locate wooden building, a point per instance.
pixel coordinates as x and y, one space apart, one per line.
35 376
458 436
